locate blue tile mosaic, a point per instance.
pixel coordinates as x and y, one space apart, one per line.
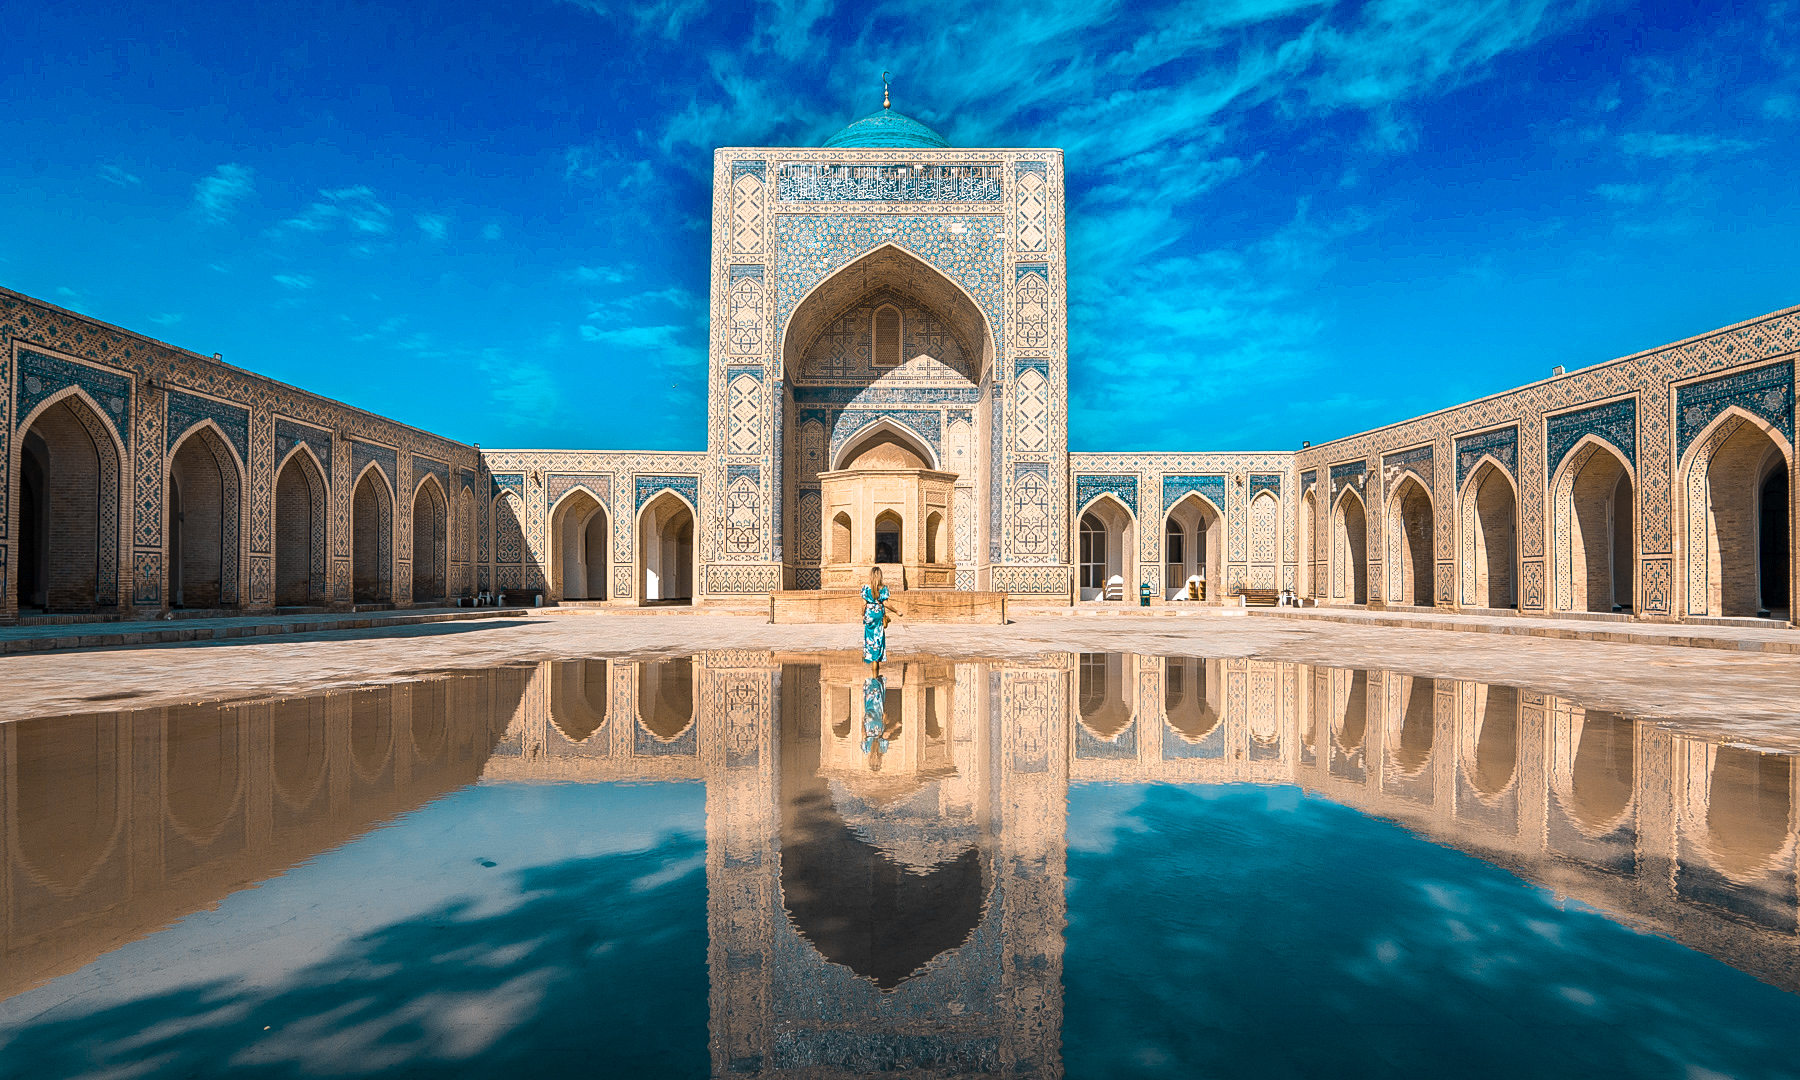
1021 269
186 410
1175 488
747 270
688 487
1042 367
439 469
1260 482
1351 474
753 168
513 482
468 480
1125 488
1308 480
1766 392
1091 747
1031 167
1501 443
887 395
1615 421
41 376
318 440
832 182
645 744
1419 459
733 472
927 426
1212 745
362 453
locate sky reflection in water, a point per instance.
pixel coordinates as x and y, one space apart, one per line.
748 863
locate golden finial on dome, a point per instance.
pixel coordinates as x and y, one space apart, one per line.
884 92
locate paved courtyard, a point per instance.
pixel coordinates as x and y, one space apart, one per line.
1747 697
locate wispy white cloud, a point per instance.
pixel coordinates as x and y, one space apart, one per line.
218 195
435 226
294 282
167 318
354 208
1675 145
490 231
119 176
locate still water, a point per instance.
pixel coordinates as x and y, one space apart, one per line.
744 863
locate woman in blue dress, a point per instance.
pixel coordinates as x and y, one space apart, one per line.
875 596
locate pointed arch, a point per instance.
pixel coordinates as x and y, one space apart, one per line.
1593 518
1488 536
70 798
69 461
579 697
1193 546
1733 503
1488 739
431 540
871 436
372 535
580 528
203 482
1350 548
1308 585
1106 548
666 527
888 262
302 511
1593 769
1411 534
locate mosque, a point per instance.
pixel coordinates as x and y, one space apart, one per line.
888 385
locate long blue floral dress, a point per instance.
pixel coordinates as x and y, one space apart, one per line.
874 633
875 715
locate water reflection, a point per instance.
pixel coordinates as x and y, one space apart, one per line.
885 857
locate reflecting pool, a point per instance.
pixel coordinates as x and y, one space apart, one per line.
751 863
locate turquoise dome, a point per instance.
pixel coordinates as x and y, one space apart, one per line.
887 128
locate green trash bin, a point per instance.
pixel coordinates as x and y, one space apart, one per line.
1144 594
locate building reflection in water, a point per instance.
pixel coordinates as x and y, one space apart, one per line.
885 858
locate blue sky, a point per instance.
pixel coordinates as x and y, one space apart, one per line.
1288 220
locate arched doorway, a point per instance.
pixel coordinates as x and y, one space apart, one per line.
1597 554
372 537
665 697
578 697
666 551
1193 543
431 542
1350 555
1106 544
300 495
578 529
1190 702
1410 534
1489 739
1737 520
68 477
1594 769
903 341
1103 699
1490 516
202 522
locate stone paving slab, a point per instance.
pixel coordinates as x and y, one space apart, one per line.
46 637
1776 637
1748 697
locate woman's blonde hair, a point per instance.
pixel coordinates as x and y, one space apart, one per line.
875 575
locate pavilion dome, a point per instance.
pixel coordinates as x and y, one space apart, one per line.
887 128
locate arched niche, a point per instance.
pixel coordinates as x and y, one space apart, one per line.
372 537
1595 546
1746 827
69 806
205 491
1737 535
1350 549
666 550
578 697
1106 548
831 335
1102 698
372 732
579 531
1191 701
1411 530
666 697
69 468
300 750
203 760
1193 546
431 542
1488 741
1412 725
301 513
1593 769
430 722
1308 572
1490 526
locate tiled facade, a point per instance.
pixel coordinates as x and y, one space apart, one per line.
961 254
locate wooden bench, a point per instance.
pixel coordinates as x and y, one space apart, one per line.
1259 597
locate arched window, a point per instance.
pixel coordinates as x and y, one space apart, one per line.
887 537
886 352
1175 555
840 539
933 526
1093 553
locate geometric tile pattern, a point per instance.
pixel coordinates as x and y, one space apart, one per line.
186 410
1502 444
1615 421
1766 392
